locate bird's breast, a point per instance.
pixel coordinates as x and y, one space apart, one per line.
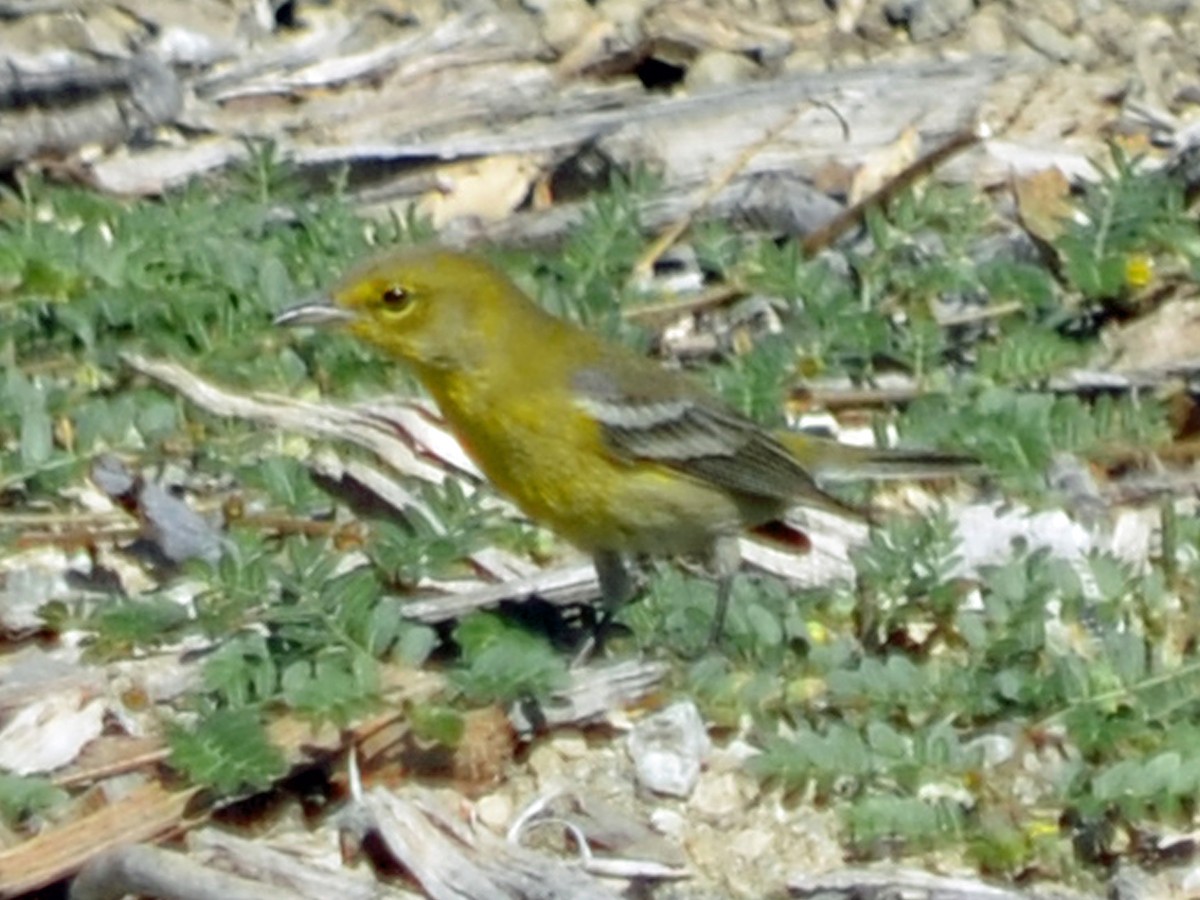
548 456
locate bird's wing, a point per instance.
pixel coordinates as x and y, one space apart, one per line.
657 416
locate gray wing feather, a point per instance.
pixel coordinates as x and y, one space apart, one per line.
695 435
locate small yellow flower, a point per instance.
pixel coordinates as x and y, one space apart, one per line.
817 633
1042 828
1139 270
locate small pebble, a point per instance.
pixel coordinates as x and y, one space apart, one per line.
996 749
669 823
546 764
1046 39
570 745
667 749
565 24
985 33
720 795
717 67
495 811
753 843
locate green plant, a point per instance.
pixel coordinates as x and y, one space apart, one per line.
502 662
227 751
1128 212
22 797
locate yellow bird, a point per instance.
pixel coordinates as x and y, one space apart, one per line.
615 453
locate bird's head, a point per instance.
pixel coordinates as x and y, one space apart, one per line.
435 308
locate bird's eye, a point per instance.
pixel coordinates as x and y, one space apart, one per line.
395 297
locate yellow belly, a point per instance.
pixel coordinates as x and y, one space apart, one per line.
641 508
561 475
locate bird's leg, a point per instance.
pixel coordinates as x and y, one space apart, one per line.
615 584
725 559
616 587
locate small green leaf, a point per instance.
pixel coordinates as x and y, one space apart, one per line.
37 437
502 662
415 643
227 751
337 686
123 624
24 796
242 671
442 724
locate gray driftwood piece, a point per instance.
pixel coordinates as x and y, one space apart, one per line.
279 871
846 114
453 861
594 691
107 104
783 131
781 203
139 869
459 94
912 884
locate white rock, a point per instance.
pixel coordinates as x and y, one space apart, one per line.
570 745
495 811
50 732
668 822
719 796
668 749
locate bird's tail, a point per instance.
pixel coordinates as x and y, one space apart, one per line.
828 460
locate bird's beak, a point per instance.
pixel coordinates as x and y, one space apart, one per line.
315 311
